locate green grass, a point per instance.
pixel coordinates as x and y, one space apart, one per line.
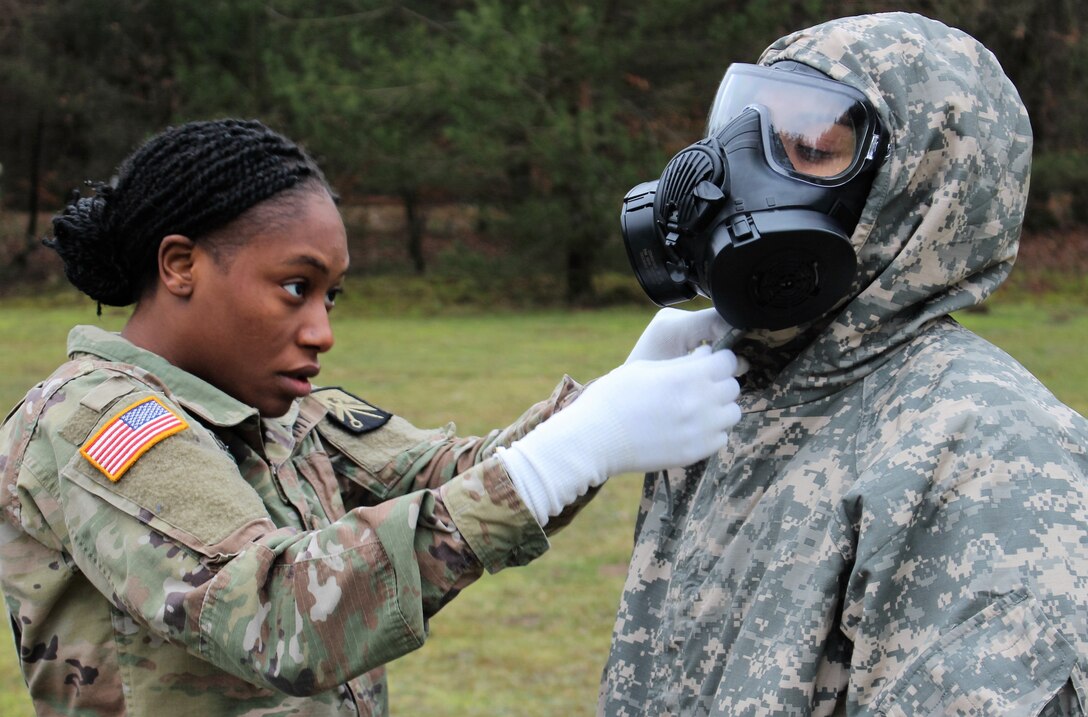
1050 339
530 641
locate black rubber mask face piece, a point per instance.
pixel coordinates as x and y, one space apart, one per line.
758 216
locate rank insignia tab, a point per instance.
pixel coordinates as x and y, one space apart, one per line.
349 411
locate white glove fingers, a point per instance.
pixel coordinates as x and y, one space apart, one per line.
732 389
732 415
707 325
726 361
699 410
720 364
674 332
722 417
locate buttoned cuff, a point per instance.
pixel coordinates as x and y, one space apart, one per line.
492 517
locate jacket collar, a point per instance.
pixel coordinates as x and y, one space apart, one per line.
194 394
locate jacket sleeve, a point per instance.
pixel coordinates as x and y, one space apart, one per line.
397 458
968 592
182 544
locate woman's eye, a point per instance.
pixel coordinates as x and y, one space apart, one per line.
813 154
295 288
330 297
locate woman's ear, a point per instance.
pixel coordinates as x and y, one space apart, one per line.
176 264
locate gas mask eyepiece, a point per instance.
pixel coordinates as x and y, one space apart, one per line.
758 215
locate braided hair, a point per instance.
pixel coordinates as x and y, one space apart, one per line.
189 180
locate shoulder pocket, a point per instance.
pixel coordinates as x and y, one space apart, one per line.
1005 660
183 486
380 459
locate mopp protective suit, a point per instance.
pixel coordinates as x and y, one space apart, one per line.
899 524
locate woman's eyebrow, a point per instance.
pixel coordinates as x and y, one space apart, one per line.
316 263
309 260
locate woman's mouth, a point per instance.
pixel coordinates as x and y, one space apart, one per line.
296 385
297 382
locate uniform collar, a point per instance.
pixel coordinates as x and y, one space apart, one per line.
196 395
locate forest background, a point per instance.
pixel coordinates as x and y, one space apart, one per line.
484 144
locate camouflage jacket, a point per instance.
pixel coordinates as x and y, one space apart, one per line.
228 565
900 523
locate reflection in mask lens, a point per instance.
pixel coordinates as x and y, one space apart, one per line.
815 127
815 146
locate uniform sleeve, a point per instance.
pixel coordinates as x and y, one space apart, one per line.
181 543
969 591
398 458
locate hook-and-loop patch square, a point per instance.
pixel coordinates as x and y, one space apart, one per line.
130 434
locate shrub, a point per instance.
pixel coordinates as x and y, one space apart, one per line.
1059 191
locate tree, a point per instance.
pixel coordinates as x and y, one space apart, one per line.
534 95
354 83
80 89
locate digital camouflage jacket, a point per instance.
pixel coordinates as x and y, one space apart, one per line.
164 551
900 523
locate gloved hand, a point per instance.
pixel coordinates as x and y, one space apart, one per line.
674 332
643 416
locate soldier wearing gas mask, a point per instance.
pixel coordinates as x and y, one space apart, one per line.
898 524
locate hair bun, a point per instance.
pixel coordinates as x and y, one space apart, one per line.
90 252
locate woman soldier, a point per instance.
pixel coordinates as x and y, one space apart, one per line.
189 528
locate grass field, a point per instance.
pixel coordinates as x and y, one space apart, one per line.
530 641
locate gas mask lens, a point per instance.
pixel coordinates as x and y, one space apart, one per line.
815 129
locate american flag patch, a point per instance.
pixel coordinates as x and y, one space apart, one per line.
128 436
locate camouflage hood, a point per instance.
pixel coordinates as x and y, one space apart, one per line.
941 227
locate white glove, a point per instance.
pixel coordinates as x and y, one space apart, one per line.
674 332
643 416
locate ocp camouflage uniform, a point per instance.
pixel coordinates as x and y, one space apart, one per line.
900 523
238 566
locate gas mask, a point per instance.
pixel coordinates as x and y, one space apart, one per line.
758 215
